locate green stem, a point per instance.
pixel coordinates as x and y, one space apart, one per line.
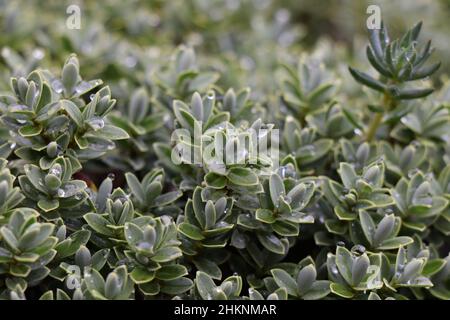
374 126
388 104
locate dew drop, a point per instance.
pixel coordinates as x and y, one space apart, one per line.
165 220
130 62
38 54
412 172
358 249
79 196
57 86
61 193
56 170
82 87
144 246
282 172
222 224
97 123
334 270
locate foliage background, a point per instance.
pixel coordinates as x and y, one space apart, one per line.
131 45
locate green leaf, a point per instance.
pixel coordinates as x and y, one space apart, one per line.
407 94
150 288
167 254
341 290
48 204
191 231
177 286
367 225
9 238
135 186
344 263
395 243
210 215
48 295
384 229
284 280
209 267
69 77
141 275
344 214
98 223
276 188
272 243
286 228
171 272
30 130
19 270
433 266
348 175
167 198
111 132
203 80
367 80
215 180
279 294
359 269
205 285
265 216
319 290
306 278
73 112
183 116
242 177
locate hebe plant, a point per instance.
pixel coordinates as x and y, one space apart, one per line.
355 207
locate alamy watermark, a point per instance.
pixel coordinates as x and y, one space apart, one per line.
222 148
73 21
374 20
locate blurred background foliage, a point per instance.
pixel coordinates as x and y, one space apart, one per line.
124 41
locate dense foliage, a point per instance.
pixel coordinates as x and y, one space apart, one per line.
99 199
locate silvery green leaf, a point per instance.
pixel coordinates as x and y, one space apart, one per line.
242 176
69 77
359 269
284 280
205 285
411 270
367 224
348 175
73 112
272 243
319 290
276 189
367 80
344 263
112 132
384 229
306 278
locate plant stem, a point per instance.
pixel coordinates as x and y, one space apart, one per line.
374 126
388 103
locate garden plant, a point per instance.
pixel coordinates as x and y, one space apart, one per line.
164 154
